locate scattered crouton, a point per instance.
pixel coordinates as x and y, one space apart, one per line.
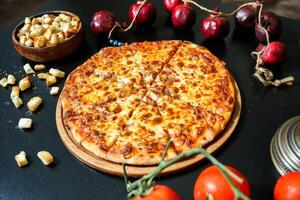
39 67
28 69
57 73
54 90
45 157
34 103
21 159
25 123
25 83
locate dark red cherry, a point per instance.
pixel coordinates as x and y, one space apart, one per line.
272 23
171 4
245 18
183 17
146 16
215 27
102 21
274 54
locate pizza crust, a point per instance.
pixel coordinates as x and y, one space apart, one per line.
187 96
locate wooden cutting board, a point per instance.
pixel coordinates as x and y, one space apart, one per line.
136 171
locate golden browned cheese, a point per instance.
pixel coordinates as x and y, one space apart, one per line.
125 103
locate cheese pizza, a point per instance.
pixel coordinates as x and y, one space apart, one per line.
125 103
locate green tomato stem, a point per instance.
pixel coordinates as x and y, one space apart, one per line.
141 186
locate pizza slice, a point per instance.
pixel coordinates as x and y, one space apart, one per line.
118 62
214 92
152 56
100 126
184 123
144 139
88 86
191 61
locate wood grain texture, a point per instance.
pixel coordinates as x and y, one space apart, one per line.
136 171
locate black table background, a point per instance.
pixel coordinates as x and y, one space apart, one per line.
263 111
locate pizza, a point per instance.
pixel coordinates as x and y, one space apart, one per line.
126 103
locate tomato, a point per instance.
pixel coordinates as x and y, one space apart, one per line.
160 192
211 181
288 187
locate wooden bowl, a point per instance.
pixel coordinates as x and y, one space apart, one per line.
52 52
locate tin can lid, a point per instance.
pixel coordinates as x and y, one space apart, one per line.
285 146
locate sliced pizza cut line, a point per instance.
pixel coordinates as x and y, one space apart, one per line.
214 91
144 139
172 45
125 103
151 57
189 126
192 60
102 124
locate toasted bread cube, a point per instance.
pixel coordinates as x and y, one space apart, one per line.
50 80
45 26
17 101
28 43
57 73
25 28
15 92
40 42
39 67
43 75
25 123
11 79
21 159
24 83
3 82
64 17
47 20
57 19
54 90
65 27
28 69
34 103
27 20
75 24
45 157
35 21
54 27
47 34
22 39
54 39
61 37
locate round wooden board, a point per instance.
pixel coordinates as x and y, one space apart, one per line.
136 171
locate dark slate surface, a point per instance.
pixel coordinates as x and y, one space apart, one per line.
263 111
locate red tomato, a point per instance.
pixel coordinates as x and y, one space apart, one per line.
160 192
211 181
288 187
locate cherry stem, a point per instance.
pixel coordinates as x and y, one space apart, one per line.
265 76
144 185
260 24
117 24
218 13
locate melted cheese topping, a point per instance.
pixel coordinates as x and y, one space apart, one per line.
125 103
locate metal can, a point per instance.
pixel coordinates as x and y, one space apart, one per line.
285 146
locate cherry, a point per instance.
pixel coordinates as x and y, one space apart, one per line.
274 54
213 27
245 17
183 17
146 16
271 22
171 4
102 21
